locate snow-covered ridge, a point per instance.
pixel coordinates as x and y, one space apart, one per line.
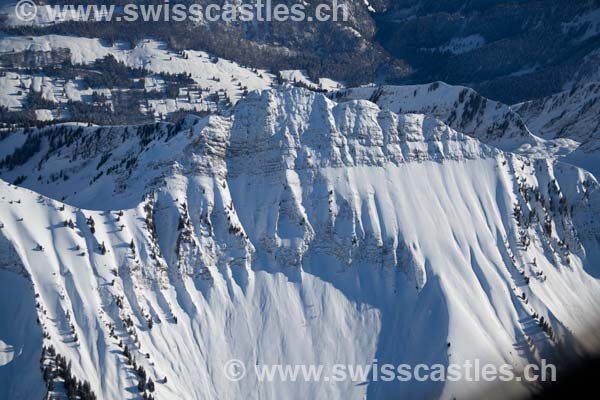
460 107
573 114
309 130
296 230
563 126
295 127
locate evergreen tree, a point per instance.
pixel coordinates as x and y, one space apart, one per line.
150 385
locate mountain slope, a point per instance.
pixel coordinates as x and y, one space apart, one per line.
574 115
67 78
300 231
340 49
508 50
561 127
460 107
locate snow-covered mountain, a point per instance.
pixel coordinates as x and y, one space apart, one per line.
295 230
572 115
460 107
342 49
511 51
151 78
563 126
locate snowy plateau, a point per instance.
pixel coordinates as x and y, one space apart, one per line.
298 228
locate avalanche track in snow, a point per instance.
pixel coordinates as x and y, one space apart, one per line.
296 230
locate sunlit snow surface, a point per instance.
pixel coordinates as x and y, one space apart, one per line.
296 231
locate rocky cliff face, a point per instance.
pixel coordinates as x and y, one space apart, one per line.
460 107
570 116
296 230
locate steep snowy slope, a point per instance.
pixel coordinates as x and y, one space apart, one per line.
558 123
460 107
297 231
587 156
574 115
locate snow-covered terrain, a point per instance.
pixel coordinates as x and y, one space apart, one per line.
150 54
572 115
461 45
296 230
564 126
460 107
297 76
210 74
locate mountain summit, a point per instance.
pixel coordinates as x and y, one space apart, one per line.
293 230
